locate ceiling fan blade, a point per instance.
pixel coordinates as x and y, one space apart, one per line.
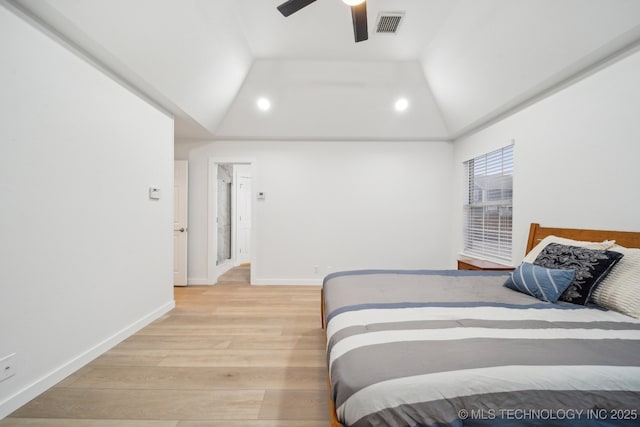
359 15
292 6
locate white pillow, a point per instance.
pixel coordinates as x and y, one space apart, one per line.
531 256
620 290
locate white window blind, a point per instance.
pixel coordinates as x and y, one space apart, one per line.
489 207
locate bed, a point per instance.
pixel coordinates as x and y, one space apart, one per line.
458 348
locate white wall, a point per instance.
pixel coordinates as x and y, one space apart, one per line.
576 156
343 205
85 256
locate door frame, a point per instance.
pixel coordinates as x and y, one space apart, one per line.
212 209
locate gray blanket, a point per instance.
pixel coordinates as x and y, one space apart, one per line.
456 348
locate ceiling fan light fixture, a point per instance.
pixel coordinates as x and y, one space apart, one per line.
358 14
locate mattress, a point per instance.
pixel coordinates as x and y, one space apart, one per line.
456 348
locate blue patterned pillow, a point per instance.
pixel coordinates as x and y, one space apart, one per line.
543 283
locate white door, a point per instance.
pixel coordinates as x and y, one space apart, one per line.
243 215
180 198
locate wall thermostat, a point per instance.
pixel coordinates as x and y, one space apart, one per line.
154 193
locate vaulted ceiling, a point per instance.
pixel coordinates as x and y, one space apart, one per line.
461 64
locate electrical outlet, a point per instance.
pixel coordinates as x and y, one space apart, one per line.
315 269
7 367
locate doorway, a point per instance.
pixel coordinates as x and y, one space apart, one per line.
230 215
241 227
224 180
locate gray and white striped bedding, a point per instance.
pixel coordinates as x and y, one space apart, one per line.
456 348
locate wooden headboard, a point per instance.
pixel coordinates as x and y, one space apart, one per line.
623 238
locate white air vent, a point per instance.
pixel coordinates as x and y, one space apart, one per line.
388 22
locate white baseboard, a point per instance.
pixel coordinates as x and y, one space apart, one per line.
288 282
41 385
224 267
220 270
198 281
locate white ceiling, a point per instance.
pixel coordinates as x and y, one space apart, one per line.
323 30
334 100
206 60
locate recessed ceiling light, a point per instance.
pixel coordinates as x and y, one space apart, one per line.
353 2
263 104
401 104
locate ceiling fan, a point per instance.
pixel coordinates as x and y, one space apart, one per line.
358 14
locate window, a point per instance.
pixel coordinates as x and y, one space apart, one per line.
489 206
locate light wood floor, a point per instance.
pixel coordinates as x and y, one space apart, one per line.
231 355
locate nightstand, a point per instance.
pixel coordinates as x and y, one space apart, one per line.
467 263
